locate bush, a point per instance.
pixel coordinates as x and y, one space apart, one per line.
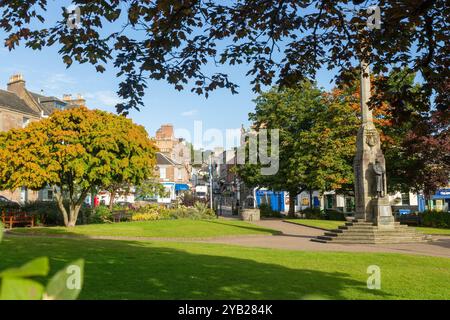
101 214
435 219
313 213
46 212
156 212
146 217
266 211
334 215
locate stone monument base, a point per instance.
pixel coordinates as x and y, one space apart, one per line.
383 214
250 214
363 232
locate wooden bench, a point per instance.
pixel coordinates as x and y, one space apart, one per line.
122 215
9 219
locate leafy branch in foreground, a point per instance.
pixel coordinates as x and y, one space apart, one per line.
18 283
280 42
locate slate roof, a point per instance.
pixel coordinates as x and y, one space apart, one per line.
9 100
46 103
161 159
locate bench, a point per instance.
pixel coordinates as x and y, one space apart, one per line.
9 219
122 215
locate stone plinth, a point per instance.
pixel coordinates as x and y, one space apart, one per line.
369 233
250 214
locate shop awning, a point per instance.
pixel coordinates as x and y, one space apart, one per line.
181 187
441 194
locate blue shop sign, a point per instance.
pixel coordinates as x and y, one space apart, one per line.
441 194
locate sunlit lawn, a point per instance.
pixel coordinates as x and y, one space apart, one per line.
181 228
169 270
331 224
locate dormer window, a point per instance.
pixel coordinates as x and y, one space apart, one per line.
25 122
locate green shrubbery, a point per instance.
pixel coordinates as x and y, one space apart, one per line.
155 212
267 211
334 215
318 214
435 219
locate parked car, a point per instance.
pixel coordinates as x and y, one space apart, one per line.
6 203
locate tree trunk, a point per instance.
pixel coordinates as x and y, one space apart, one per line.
93 195
112 196
74 210
292 196
311 199
60 202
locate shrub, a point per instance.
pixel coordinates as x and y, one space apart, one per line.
46 212
146 217
101 214
266 211
334 215
313 213
435 219
156 212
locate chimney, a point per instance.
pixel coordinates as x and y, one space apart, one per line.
75 102
16 85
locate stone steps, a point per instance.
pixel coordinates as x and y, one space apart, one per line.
368 233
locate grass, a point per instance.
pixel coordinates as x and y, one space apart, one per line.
180 228
332 224
170 270
436 231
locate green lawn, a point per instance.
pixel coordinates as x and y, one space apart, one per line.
436 231
181 228
170 270
331 224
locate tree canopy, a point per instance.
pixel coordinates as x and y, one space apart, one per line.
317 140
73 151
281 41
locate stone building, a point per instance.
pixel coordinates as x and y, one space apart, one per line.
18 108
177 151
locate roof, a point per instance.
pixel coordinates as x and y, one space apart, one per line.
162 159
46 103
12 102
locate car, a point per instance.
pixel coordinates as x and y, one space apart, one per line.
6 203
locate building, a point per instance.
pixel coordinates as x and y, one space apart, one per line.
177 151
172 175
18 108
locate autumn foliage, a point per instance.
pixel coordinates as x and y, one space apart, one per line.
73 151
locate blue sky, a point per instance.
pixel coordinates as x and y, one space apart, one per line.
44 71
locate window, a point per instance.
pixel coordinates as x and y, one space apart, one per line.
162 173
49 194
405 199
25 122
180 174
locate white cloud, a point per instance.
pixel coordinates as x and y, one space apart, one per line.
57 82
189 113
104 98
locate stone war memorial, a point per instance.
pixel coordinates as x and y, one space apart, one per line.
373 221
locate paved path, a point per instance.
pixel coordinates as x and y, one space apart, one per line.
297 237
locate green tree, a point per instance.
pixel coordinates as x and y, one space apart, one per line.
75 150
317 133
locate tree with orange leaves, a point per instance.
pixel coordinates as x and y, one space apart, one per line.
73 151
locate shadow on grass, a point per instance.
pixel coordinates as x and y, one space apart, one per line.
135 270
247 227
